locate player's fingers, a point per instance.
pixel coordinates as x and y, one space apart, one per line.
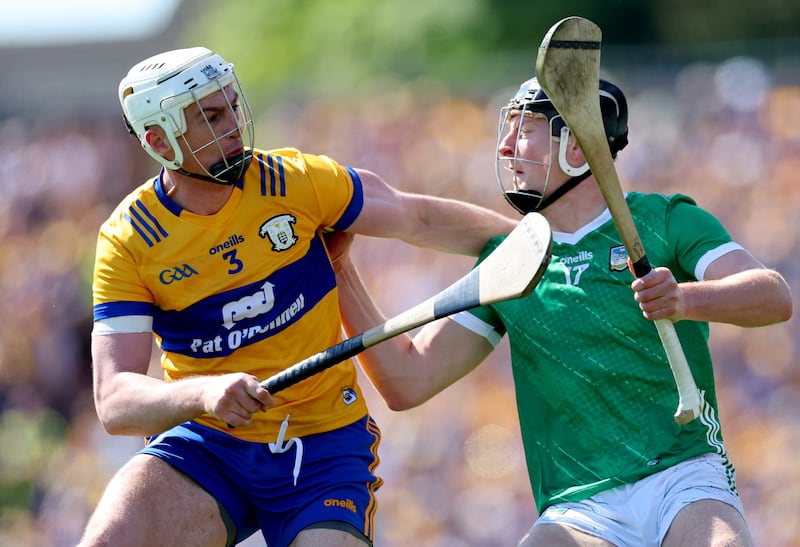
644 295
661 308
236 417
248 405
245 407
260 396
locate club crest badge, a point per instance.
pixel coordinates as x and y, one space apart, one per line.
210 72
618 259
279 231
349 395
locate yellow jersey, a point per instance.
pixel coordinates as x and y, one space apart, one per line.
248 289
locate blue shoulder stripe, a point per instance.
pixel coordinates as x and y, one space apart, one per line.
140 223
356 204
138 229
152 218
270 167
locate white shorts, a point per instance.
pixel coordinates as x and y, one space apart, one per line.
640 513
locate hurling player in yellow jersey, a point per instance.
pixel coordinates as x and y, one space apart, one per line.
220 258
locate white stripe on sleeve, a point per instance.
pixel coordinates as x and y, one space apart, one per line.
479 327
711 256
124 324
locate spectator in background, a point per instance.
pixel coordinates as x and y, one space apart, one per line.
595 394
220 256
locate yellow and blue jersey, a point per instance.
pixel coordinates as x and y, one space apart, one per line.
248 289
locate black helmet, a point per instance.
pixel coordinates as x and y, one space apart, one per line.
532 98
613 106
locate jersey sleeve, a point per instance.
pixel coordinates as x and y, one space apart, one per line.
117 289
483 320
697 235
338 189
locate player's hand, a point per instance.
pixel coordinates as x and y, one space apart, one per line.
235 398
659 295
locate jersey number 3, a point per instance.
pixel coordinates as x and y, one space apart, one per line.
236 264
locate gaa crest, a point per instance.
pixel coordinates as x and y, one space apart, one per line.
279 231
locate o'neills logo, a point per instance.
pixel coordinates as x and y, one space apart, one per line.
347 504
234 240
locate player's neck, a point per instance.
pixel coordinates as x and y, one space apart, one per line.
198 196
576 208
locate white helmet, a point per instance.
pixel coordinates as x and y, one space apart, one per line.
157 90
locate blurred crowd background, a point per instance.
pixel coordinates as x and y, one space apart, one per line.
721 124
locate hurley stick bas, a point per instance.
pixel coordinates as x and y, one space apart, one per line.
512 270
568 69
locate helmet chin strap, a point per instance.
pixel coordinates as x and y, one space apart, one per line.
531 201
206 178
223 172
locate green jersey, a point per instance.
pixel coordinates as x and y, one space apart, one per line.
595 393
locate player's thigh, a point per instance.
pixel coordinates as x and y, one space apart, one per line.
708 522
149 502
559 535
324 537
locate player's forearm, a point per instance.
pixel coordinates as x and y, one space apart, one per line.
407 371
136 404
458 227
426 221
751 298
383 363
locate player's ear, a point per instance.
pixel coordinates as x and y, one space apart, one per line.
157 141
574 153
154 137
571 159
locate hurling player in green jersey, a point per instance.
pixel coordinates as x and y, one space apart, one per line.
607 462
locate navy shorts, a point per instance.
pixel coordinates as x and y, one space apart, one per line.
280 493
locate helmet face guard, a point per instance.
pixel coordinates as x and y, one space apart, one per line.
531 99
522 199
156 92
